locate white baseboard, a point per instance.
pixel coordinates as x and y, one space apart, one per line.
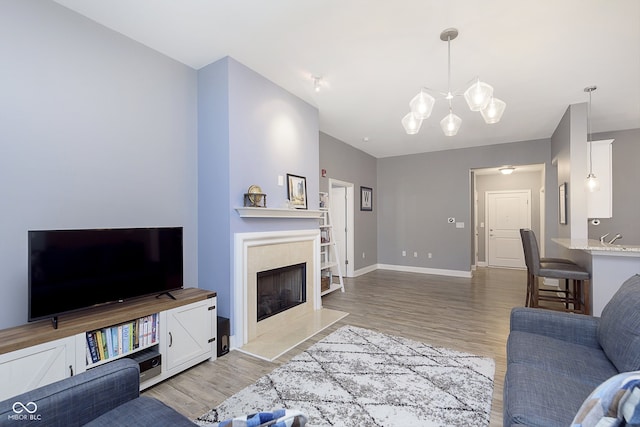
482 263
365 270
424 270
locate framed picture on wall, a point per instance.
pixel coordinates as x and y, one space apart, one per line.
366 199
297 191
562 203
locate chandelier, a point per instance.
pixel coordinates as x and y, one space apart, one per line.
479 97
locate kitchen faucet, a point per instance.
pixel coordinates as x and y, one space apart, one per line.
616 237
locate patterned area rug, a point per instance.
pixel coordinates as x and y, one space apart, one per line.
358 377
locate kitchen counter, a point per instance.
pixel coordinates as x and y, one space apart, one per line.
610 266
592 245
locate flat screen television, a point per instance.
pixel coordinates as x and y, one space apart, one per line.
71 270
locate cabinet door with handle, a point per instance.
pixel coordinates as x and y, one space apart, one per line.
189 334
26 369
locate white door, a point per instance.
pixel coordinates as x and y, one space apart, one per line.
507 213
337 204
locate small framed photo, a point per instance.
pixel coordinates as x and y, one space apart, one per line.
297 191
366 199
562 203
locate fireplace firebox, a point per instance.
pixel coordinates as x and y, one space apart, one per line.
280 289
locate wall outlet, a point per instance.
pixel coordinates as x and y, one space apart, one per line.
415 254
429 255
404 253
451 220
280 180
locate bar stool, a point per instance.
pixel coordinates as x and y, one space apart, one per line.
542 260
578 295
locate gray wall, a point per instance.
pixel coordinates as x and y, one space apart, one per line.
250 131
626 188
96 131
346 163
417 193
531 181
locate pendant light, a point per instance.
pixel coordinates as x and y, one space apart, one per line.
479 97
593 184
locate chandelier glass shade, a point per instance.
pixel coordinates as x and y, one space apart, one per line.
492 113
450 124
479 97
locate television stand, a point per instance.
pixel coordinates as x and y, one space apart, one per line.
37 355
167 293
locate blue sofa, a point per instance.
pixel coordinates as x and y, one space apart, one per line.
556 359
108 395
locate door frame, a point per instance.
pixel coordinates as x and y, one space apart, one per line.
349 207
486 216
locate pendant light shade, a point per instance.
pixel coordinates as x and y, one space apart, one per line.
422 105
492 113
478 95
593 184
411 123
450 124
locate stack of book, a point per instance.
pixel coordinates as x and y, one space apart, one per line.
107 343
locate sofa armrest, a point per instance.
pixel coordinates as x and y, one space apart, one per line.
77 400
576 328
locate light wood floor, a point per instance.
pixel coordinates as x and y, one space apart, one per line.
470 315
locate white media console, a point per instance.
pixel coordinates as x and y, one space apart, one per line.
36 354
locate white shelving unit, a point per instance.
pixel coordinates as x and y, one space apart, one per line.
330 268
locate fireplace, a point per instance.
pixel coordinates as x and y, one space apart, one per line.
280 289
256 253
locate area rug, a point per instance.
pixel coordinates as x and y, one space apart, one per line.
358 377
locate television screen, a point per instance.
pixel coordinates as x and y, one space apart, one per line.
75 269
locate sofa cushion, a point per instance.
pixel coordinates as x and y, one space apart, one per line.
612 402
534 396
619 328
585 364
141 412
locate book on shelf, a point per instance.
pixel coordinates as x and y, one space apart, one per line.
117 340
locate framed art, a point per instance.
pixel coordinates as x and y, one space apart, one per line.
366 199
562 203
297 191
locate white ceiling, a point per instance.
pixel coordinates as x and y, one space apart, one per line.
374 55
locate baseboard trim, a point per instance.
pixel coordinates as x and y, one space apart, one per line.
424 270
365 270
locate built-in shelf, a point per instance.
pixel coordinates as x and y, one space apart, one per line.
248 212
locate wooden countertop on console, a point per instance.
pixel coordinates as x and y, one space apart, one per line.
42 331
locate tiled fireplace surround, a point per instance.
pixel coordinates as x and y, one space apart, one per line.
254 252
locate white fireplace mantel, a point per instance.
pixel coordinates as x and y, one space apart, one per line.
242 244
249 212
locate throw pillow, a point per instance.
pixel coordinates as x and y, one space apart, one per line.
615 402
277 418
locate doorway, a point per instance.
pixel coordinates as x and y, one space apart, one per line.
506 213
341 210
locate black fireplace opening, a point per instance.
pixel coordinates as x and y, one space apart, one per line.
281 289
